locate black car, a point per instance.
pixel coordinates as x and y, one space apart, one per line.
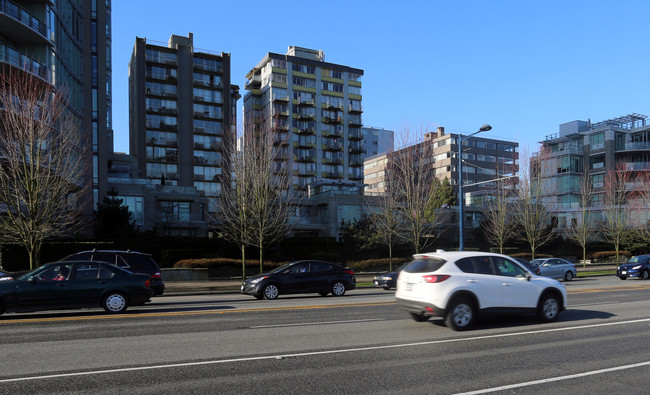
387 280
301 277
637 266
75 284
132 261
533 267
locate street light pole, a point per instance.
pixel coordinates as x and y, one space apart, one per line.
484 128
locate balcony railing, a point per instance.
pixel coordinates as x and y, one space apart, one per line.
20 14
637 146
23 62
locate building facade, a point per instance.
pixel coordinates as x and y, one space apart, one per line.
583 150
314 110
68 44
484 160
182 116
377 141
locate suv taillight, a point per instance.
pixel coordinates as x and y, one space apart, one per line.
436 278
147 283
348 271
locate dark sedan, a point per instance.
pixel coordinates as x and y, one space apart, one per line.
69 285
301 277
637 266
388 280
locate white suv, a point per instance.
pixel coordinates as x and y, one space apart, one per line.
459 285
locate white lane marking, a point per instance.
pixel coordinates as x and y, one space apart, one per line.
327 352
553 379
316 323
592 304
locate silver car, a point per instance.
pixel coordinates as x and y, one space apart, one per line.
557 268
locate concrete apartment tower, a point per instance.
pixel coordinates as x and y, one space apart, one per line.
68 43
182 111
314 110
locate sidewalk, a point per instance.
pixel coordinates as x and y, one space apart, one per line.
211 287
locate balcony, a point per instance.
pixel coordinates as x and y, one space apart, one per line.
306 117
334 175
305 158
162 110
332 133
281 98
355 134
636 146
635 166
305 143
253 83
306 103
306 131
355 177
355 148
168 127
280 114
333 161
356 163
333 106
332 147
354 109
16 59
281 139
15 20
332 120
355 123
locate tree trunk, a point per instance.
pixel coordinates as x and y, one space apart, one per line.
261 258
390 257
243 263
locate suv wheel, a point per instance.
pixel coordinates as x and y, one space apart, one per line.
549 308
461 314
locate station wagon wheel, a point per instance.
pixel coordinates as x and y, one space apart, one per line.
271 291
568 276
461 314
549 308
115 302
644 275
338 289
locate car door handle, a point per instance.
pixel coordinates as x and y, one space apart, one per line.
472 281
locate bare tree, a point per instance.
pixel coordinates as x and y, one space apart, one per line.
43 168
617 191
410 171
581 229
499 219
531 206
385 219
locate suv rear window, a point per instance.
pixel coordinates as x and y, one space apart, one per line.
425 265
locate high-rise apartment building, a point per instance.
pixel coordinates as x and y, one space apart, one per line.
182 116
585 150
68 43
377 141
314 110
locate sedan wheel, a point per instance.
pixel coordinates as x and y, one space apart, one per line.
461 315
115 303
568 276
549 308
271 291
338 289
644 275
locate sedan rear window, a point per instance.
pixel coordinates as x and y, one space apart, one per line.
424 265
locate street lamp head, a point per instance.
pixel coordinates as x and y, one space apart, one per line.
485 127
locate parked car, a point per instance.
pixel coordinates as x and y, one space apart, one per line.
301 277
75 284
387 280
459 286
533 267
637 266
136 262
557 268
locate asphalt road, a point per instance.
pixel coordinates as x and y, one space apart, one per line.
360 343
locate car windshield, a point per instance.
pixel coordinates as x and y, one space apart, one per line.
32 273
639 259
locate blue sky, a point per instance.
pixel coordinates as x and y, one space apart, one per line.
524 67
